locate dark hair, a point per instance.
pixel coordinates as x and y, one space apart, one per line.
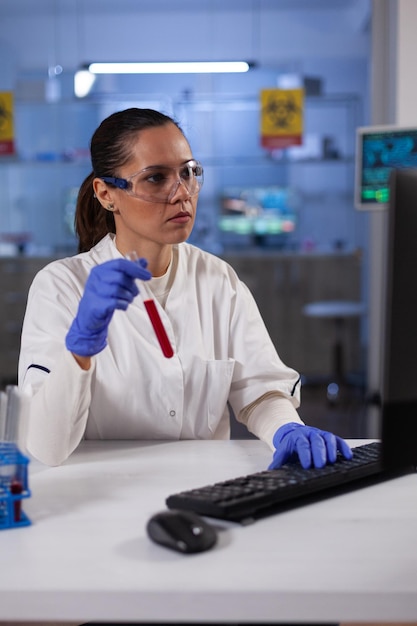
110 149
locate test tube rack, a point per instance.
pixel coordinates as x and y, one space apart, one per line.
13 486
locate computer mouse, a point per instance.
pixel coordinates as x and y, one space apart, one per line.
182 531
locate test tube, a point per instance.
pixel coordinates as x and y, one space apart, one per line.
13 414
16 488
154 317
3 412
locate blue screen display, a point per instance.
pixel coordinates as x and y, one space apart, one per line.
379 151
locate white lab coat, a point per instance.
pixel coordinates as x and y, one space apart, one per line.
223 354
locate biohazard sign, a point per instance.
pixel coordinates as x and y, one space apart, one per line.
6 123
281 118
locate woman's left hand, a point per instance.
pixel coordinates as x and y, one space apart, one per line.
311 446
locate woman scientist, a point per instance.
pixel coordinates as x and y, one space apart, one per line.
89 356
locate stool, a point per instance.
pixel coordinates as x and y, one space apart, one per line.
338 311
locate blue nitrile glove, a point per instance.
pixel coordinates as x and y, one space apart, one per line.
311 446
110 286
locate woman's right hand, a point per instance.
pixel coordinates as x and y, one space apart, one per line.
110 286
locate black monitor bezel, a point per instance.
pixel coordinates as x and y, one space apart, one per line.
361 133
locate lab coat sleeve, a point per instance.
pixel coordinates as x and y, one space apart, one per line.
60 391
58 413
266 415
258 368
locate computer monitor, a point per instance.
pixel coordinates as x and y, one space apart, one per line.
399 361
380 149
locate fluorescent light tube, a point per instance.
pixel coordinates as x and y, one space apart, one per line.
192 67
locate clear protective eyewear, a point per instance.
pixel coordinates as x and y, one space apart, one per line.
159 183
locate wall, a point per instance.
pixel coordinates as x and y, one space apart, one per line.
47 32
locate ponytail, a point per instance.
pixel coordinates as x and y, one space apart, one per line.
92 222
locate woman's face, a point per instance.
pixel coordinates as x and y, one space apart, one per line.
140 223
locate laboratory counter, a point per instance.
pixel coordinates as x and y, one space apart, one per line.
87 557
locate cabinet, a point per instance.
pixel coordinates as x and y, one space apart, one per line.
39 185
319 176
52 139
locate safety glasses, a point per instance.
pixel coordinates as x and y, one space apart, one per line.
160 183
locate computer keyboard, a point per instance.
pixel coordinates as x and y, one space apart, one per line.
249 497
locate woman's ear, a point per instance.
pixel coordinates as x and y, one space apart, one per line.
103 193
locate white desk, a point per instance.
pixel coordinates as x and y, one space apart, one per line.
87 557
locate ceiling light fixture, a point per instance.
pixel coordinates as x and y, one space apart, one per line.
83 82
186 67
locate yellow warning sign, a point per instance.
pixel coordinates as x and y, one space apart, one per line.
6 123
281 117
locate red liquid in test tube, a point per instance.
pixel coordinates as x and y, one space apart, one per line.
155 318
16 488
159 328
